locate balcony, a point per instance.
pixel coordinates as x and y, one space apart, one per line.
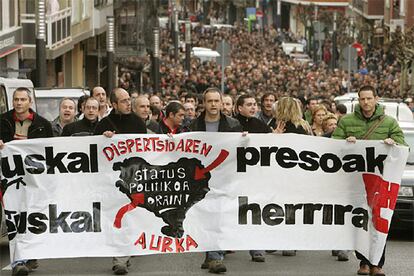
58 28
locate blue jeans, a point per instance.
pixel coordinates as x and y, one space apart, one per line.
256 252
215 255
18 262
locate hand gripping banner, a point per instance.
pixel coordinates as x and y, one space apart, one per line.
147 194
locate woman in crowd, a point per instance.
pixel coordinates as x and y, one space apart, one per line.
329 124
287 113
318 114
289 118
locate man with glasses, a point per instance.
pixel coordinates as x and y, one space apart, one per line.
85 126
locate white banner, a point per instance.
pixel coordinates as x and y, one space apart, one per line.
146 194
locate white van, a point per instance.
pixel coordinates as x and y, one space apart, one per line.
396 109
205 54
289 47
7 87
45 100
48 99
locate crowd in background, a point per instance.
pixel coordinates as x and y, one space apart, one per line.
259 65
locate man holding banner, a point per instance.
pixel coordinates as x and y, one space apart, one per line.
213 120
368 122
120 121
18 124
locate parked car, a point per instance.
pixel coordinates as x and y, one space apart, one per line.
292 47
205 54
404 209
302 58
394 108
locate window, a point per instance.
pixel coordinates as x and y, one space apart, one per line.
80 10
1 15
12 13
85 9
100 3
28 6
76 11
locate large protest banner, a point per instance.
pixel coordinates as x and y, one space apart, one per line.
146 194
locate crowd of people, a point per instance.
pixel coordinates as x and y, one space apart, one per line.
265 92
259 65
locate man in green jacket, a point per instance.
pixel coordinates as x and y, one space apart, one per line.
368 122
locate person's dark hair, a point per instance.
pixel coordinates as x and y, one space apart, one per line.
154 110
133 91
265 95
190 96
311 99
113 97
211 89
368 88
341 108
174 108
242 98
81 100
25 89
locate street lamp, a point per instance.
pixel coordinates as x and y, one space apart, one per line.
351 33
156 59
41 71
176 34
187 46
110 52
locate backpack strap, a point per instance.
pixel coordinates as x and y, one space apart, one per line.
373 128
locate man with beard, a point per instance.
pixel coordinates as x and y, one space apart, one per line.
228 104
266 103
67 112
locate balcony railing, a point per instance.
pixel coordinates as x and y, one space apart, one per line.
58 28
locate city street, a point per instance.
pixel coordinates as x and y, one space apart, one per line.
400 254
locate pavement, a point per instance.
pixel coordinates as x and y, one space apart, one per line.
399 260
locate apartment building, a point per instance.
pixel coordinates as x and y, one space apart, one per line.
69 26
398 13
10 38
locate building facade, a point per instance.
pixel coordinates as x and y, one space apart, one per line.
10 38
69 26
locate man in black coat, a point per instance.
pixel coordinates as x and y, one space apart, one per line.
22 123
246 107
87 125
120 121
213 120
172 123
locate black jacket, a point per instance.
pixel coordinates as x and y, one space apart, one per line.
83 127
226 124
253 125
121 124
165 129
291 128
40 127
